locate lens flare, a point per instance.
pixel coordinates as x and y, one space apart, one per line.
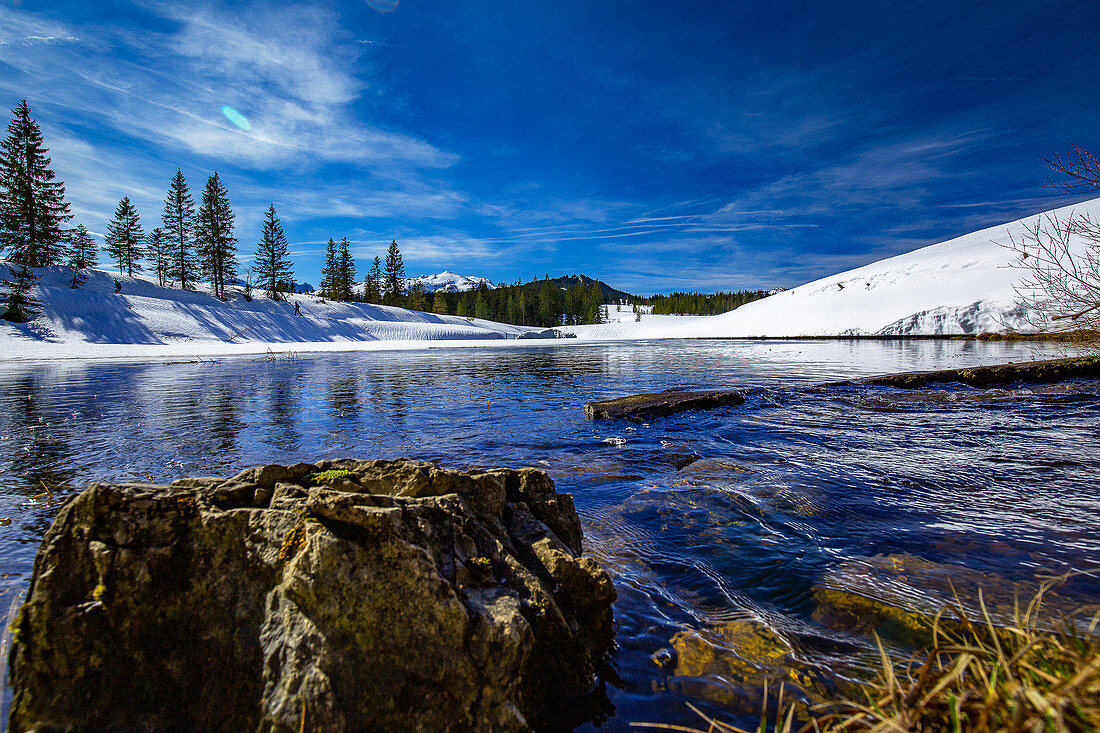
236 118
384 6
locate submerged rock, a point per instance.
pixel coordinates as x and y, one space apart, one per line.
337 596
730 663
897 597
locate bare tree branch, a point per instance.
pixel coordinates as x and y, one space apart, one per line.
1080 167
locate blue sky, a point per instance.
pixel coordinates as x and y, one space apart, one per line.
656 145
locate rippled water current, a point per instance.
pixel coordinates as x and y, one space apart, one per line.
764 541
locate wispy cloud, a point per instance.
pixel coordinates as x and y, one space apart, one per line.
153 98
284 68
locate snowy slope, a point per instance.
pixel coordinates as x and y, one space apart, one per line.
94 321
961 286
448 282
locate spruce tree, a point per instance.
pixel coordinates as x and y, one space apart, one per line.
594 305
217 246
465 305
160 251
330 275
521 308
482 309
373 292
272 263
32 212
440 305
179 226
33 209
547 304
125 237
394 275
418 299
345 270
82 254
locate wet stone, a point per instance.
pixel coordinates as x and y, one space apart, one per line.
337 596
729 663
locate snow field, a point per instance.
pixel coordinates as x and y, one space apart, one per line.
962 286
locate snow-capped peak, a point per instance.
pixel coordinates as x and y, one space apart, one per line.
447 282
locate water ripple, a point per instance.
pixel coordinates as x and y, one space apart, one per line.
742 526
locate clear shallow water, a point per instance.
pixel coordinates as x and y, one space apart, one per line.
726 531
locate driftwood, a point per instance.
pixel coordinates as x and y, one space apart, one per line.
638 407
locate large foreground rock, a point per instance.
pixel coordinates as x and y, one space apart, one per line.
337 596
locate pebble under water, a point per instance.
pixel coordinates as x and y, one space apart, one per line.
761 542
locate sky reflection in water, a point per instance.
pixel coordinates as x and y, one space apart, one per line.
738 520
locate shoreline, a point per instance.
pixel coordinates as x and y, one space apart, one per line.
68 351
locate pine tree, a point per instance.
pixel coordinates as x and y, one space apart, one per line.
440 304
84 251
32 212
465 306
373 282
159 249
593 311
482 309
214 235
272 262
547 302
179 226
82 254
418 299
33 209
394 275
345 268
330 275
125 237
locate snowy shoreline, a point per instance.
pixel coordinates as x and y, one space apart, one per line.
962 287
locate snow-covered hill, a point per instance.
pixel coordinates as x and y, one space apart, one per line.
145 319
447 282
961 286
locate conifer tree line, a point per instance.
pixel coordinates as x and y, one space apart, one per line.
192 242
537 303
703 304
382 284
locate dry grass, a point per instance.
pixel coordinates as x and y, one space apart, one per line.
1083 338
1029 676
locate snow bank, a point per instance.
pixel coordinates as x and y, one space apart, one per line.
961 286
145 319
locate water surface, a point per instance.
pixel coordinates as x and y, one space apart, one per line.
736 537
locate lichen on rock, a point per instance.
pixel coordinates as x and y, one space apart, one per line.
351 595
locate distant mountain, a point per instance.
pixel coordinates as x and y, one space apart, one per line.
609 293
447 282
